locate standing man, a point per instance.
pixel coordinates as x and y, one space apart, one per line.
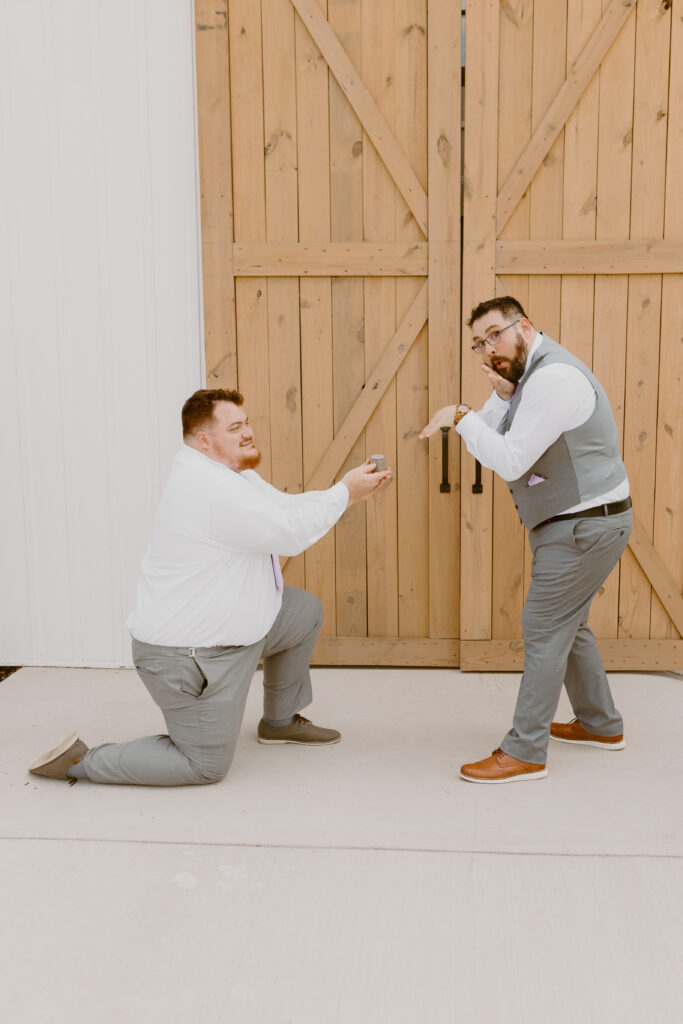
549 432
211 602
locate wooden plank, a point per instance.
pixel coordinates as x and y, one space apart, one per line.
284 366
668 519
546 190
249 211
444 159
611 292
617 655
365 108
373 389
317 384
331 259
412 379
578 78
478 283
514 131
379 213
653 36
348 329
668 513
564 256
215 177
386 651
580 184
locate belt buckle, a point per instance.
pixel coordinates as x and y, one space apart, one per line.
606 509
191 652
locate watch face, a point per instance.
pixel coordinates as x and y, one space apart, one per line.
462 408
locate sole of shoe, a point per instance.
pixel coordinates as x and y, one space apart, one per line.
59 751
301 743
590 743
522 777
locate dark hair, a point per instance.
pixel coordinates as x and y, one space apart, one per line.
505 305
198 409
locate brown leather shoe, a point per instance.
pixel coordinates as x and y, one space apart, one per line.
574 732
500 767
300 730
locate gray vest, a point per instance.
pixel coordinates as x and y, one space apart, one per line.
582 464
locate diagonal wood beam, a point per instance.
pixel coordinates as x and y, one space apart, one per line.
365 108
657 573
369 398
576 83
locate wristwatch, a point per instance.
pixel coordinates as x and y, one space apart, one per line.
460 411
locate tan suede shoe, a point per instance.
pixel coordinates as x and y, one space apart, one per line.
574 732
299 730
500 767
55 764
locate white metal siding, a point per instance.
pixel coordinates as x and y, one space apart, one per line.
100 324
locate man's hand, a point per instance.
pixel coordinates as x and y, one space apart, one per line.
363 481
505 389
442 418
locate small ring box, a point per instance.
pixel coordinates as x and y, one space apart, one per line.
380 463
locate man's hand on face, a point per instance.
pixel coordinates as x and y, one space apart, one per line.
363 481
505 389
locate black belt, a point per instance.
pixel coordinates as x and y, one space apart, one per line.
612 509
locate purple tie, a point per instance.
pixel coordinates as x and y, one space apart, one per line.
277 573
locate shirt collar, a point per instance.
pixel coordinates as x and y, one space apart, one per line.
532 351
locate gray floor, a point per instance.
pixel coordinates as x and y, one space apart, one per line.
358 883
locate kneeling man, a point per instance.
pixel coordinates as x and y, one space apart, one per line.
211 603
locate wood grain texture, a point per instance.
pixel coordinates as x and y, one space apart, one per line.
317 380
215 176
478 283
566 256
365 107
615 136
444 159
386 651
653 37
331 259
617 655
412 380
348 328
580 73
281 176
373 389
379 215
249 214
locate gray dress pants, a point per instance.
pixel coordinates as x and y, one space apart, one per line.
571 561
202 693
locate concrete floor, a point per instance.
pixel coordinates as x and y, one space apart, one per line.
358 884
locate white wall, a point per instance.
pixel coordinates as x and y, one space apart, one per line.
100 322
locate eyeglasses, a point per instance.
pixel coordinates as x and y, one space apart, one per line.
493 338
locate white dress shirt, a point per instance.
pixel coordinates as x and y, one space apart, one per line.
557 398
207 578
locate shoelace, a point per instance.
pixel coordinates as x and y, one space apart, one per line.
300 720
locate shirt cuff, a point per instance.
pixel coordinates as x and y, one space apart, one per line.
341 495
470 426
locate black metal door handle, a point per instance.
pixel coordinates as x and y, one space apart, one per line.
445 487
477 486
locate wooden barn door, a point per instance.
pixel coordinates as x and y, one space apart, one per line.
329 140
574 204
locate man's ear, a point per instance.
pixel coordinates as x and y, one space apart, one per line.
202 440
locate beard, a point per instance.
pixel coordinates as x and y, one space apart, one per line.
512 369
250 461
